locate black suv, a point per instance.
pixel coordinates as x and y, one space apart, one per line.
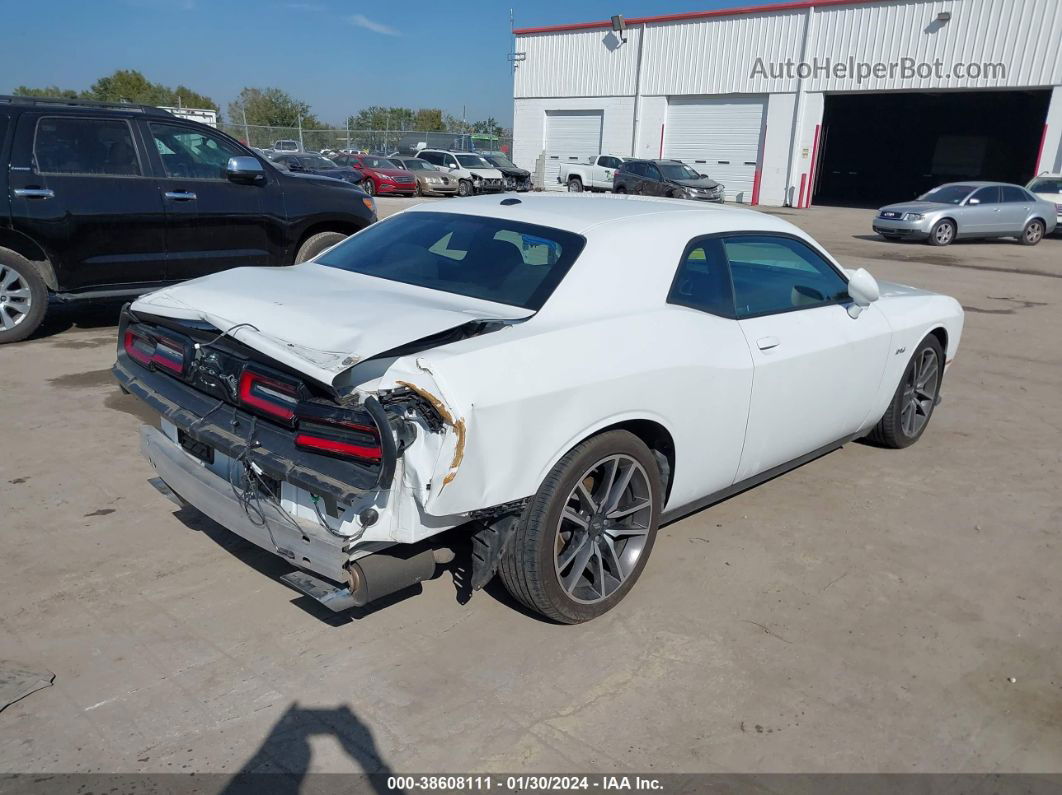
106 200
516 178
665 178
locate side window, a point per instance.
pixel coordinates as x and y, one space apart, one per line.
651 171
100 147
428 156
1013 194
702 281
610 162
987 195
190 154
778 274
637 169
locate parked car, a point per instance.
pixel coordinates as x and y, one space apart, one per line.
670 178
431 180
286 145
103 200
473 173
593 175
516 178
304 163
513 364
381 175
969 210
1048 187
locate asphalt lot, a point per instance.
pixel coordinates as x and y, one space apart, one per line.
866 612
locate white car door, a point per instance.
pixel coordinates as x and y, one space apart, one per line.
816 370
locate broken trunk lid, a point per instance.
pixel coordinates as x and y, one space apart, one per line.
318 320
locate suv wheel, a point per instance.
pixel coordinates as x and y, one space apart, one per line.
586 535
464 188
315 244
23 297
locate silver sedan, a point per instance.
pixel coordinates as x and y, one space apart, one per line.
968 210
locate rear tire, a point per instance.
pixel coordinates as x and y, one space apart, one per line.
585 537
575 185
315 244
1033 233
23 297
942 233
619 189
912 405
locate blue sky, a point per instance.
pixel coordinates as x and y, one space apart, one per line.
338 55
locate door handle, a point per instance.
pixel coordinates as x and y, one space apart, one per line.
180 195
766 343
34 193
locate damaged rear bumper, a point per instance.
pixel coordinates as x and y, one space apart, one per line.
269 528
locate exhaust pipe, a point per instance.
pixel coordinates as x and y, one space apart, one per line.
384 573
372 577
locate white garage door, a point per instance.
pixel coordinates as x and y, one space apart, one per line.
572 136
717 136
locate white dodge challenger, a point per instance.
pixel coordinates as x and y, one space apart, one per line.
556 374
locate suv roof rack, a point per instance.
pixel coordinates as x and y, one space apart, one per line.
150 110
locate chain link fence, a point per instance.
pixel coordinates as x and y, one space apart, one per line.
370 141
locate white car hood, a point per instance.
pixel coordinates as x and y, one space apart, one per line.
1054 198
319 320
486 173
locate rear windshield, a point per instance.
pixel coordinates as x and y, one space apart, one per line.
948 194
488 258
1046 185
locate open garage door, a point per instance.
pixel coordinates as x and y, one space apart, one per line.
718 136
572 136
889 147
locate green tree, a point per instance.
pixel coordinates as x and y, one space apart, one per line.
271 107
47 91
429 119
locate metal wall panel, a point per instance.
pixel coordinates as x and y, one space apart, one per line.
716 55
584 63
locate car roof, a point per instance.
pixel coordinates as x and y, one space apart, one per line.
579 213
978 183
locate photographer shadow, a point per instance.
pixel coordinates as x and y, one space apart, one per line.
281 764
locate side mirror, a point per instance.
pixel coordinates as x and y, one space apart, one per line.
863 290
244 169
974 201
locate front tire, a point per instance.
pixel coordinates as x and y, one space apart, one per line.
368 186
585 537
315 244
1033 233
912 405
23 298
942 233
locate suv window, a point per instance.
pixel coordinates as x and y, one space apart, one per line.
702 280
651 171
638 169
102 147
431 157
191 154
986 195
1012 193
778 274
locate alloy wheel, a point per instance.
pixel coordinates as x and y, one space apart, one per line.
15 297
1033 232
943 234
920 392
603 528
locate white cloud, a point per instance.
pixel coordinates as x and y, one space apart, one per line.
362 21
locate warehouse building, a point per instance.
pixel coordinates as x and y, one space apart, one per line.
831 101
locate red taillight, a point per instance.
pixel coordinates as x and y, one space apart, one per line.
333 446
156 350
268 395
337 431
